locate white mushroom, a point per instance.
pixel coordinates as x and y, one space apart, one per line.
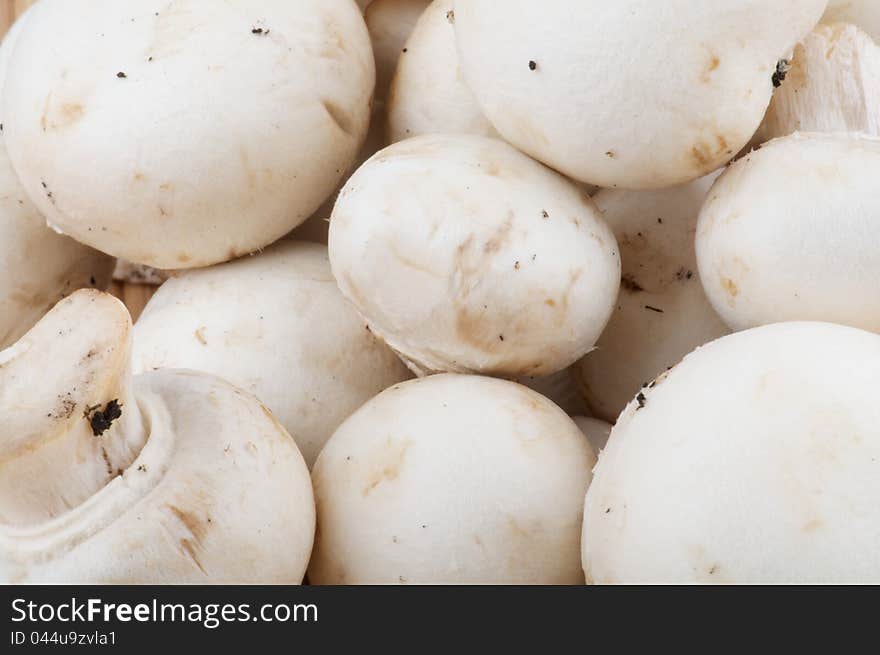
465 255
429 94
833 86
662 312
864 13
37 266
756 460
595 430
791 232
171 477
276 326
186 134
631 93
425 485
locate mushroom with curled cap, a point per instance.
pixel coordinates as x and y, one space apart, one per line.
168 477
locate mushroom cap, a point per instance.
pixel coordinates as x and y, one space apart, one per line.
37 266
864 13
425 485
754 461
595 430
833 85
275 325
465 255
429 94
791 232
634 93
662 312
188 480
185 135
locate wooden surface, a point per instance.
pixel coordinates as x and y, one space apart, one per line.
135 296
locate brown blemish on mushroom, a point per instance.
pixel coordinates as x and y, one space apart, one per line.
387 469
500 237
730 287
516 530
60 115
711 67
200 336
196 529
812 526
701 155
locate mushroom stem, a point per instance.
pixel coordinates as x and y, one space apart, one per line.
71 423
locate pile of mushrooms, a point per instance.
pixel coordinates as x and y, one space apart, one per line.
443 292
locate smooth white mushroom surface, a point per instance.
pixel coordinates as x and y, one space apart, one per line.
792 232
171 477
452 479
633 93
186 134
864 13
833 85
756 460
38 267
465 255
662 312
429 94
275 325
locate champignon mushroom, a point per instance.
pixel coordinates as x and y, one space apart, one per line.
864 13
791 232
833 85
755 460
662 312
190 134
464 255
423 485
37 266
429 94
633 93
276 326
170 477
